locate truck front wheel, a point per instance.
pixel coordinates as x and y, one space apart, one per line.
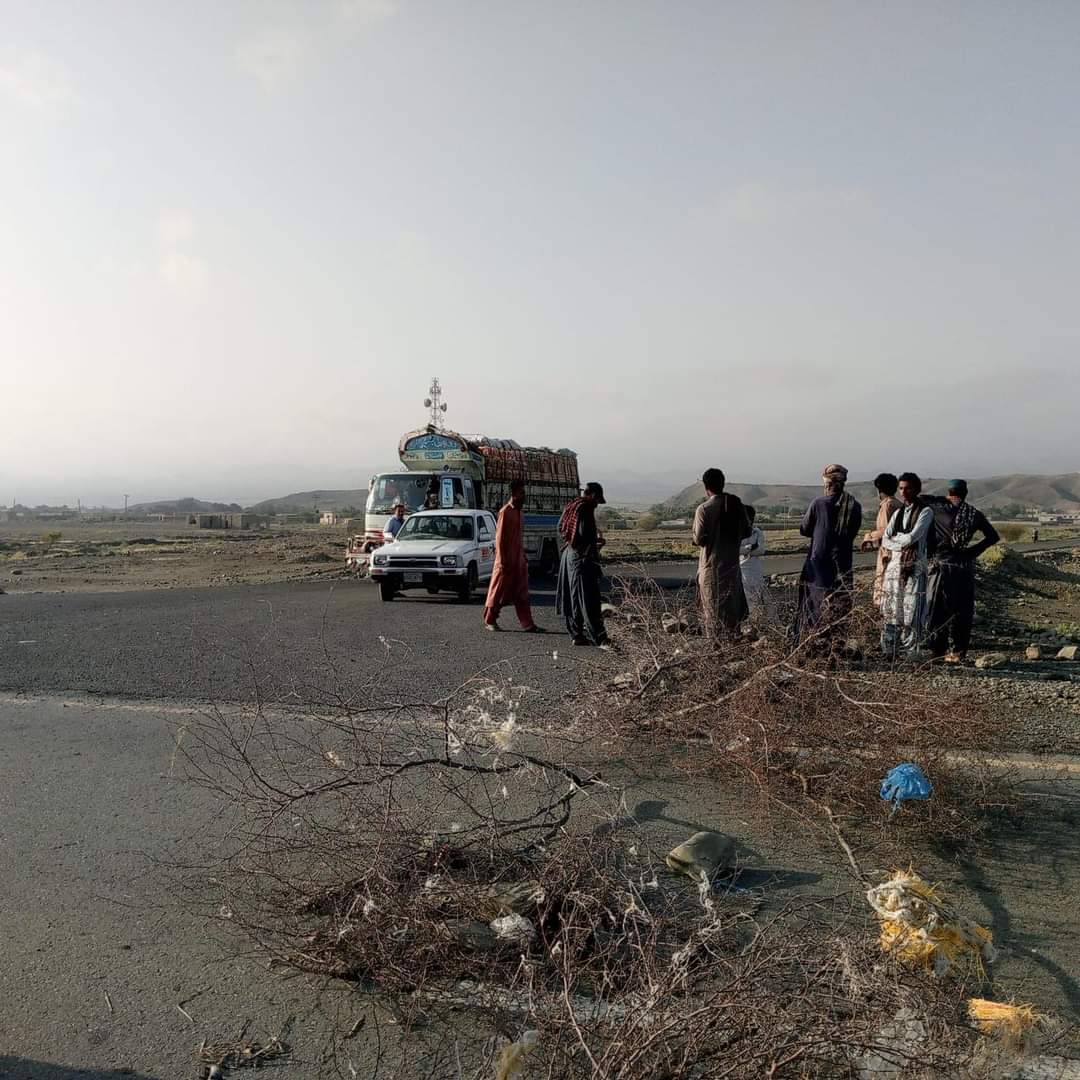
386 590
468 586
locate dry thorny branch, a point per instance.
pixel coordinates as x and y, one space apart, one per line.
452 863
813 724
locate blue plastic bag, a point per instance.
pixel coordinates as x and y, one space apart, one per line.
906 781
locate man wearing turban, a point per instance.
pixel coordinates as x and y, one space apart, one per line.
832 523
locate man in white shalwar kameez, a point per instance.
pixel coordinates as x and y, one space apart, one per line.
750 552
906 540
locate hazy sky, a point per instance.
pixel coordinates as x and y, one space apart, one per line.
237 239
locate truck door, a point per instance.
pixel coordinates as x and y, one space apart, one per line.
485 543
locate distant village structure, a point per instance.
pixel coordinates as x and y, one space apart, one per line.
242 520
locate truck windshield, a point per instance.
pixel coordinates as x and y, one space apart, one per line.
437 527
390 488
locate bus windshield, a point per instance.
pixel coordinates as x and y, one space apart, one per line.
391 488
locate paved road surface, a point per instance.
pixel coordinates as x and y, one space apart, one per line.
100 945
305 639
99 948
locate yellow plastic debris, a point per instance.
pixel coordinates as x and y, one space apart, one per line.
921 927
1010 1023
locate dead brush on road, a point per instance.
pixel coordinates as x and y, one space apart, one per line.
812 726
497 898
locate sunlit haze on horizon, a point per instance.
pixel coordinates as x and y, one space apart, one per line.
238 240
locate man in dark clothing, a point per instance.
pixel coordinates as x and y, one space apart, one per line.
950 588
832 521
720 526
577 597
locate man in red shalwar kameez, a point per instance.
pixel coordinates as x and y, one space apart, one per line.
510 577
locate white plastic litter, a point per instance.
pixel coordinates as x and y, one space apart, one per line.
513 927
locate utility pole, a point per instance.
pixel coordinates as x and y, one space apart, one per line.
126 497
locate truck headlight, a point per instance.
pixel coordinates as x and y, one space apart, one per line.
449 560
379 560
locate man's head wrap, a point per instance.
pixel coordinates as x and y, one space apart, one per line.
835 476
958 487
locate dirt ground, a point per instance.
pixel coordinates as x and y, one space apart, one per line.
117 556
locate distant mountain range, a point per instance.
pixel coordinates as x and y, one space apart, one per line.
332 499
1059 493
181 506
1047 493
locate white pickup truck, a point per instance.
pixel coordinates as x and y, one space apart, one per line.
448 549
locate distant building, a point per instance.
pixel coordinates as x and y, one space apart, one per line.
328 517
674 523
225 521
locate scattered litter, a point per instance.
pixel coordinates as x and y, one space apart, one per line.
702 855
503 737
28 641
1069 652
992 660
513 927
906 781
512 1059
919 925
624 680
673 624
236 1055
1010 1023
1033 652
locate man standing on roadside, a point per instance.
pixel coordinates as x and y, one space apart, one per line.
394 523
888 504
510 576
908 539
577 597
832 522
720 527
950 589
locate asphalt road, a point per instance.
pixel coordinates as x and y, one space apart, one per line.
304 641
101 943
100 946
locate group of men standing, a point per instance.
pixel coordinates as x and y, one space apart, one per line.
578 597
924 584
